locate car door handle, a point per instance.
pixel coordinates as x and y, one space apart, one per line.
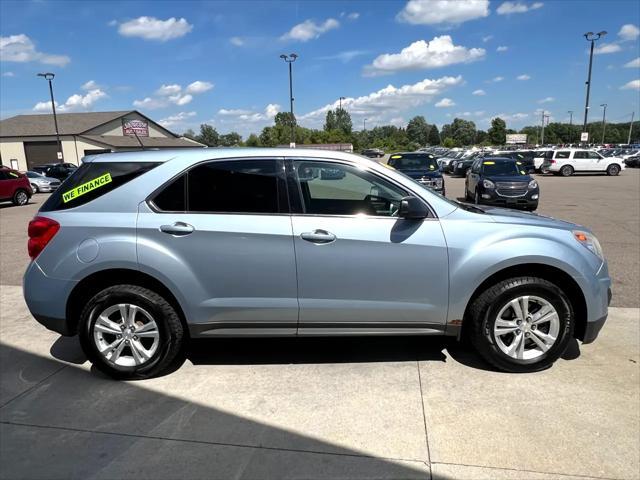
318 236
178 228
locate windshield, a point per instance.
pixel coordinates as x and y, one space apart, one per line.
34 175
498 168
413 162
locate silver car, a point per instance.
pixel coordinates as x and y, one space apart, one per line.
139 251
42 184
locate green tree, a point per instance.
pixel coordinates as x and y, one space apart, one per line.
434 135
285 119
449 142
330 121
418 130
231 139
208 135
189 134
497 132
343 121
252 141
269 137
463 132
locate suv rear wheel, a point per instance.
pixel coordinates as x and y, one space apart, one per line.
521 324
20 197
566 171
130 332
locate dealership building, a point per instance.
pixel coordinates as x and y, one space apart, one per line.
30 140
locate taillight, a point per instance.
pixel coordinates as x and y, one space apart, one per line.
41 231
552 161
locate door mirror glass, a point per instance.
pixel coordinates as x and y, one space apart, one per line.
412 208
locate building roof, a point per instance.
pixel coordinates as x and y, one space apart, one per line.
68 123
151 142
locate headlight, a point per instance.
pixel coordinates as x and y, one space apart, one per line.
533 184
589 241
439 182
488 184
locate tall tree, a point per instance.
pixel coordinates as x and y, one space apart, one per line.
343 121
330 121
497 132
208 135
230 139
285 119
252 141
434 135
189 134
418 130
463 131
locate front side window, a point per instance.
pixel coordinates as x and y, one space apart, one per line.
594 156
335 189
242 186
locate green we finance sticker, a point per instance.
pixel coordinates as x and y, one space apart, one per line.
98 182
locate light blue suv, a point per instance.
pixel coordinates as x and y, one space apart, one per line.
137 252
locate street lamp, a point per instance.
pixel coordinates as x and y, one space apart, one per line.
341 98
364 124
50 76
570 112
290 59
591 37
604 120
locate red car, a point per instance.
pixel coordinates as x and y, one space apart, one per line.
14 186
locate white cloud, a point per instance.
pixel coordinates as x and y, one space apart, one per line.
237 41
233 112
507 8
502 48
445 103
20 48
479 92
309 30
198 87
8 74
628 32
151 28
547 100
386 103
344 57
487 38
75 103
524 76
353 16
90 85
510 116
178 119
606 48
173 94
439 52
496 79
432 12
633 63
268 113
632 85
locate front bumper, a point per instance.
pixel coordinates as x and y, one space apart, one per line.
592 329
47 188
524 201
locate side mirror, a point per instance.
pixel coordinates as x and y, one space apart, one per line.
412 208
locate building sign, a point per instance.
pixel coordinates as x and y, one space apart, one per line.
584 137
132 127
516 138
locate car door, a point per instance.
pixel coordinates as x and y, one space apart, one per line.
473 174
579 161
220 234
5 185
596 161
360 267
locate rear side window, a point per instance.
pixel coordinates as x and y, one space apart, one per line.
564 154
92 180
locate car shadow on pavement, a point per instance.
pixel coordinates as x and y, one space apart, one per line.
61 421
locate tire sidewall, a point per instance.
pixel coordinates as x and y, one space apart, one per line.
565 314
566 171
613 170
101 302
17 194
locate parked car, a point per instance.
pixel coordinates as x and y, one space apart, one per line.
525 157
14 186
632 162
56 170
139 251
458 168
566 162
373 153
502 182
40 183
445 162
541 160
422 167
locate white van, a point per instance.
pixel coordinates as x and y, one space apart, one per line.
570 160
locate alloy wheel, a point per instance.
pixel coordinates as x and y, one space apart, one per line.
126 335
21 198
526 327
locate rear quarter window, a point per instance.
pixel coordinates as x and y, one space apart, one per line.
93 180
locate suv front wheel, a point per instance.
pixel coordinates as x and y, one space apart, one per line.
130 332
521 324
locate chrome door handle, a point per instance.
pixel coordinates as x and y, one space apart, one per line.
178 228
318 236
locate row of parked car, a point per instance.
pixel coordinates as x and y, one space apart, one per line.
18 187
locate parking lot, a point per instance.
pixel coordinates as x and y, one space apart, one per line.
334 408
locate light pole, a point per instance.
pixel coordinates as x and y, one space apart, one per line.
542 129
570 112
50 76
591 37
364 124
341 98
630 128
290 59
604 120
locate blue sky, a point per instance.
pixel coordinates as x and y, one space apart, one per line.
187 63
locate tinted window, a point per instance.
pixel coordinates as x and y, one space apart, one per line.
3 175
580 155
498 168
594 155
334 189
92 180
413 162
564 154
245 186
172 198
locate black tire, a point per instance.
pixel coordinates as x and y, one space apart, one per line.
20 197
34 187
466 193
566 171
613 170
476 197
485 308
171 339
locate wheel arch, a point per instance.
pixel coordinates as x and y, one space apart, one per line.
550 273
97 281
